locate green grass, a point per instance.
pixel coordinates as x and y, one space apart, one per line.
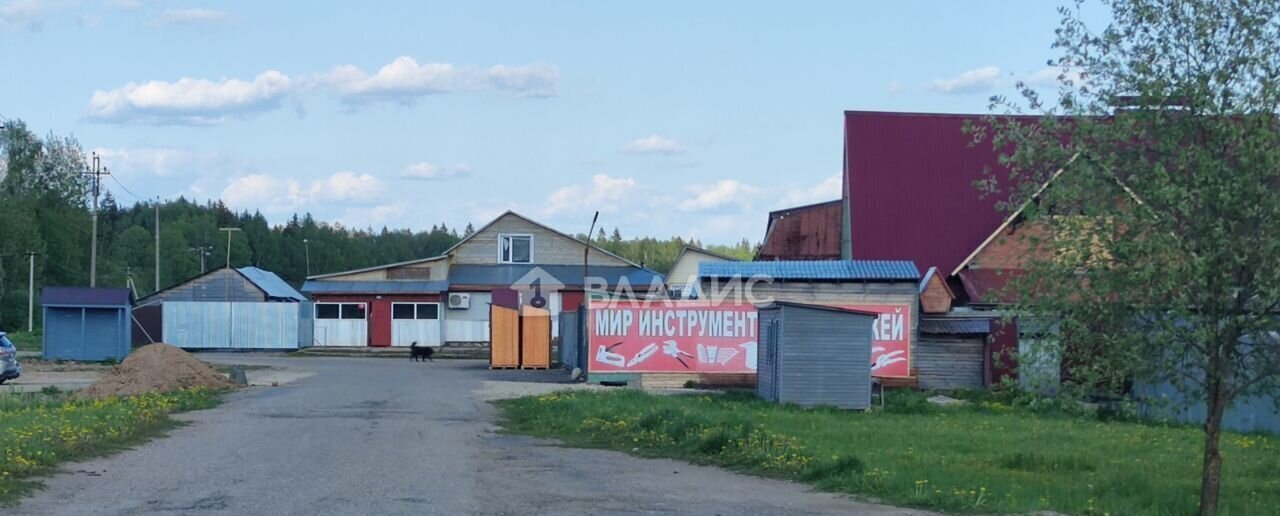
40 430
26 341
986 457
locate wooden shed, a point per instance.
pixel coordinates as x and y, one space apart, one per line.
815 355
89 324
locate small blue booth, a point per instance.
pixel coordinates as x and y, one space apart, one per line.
88 324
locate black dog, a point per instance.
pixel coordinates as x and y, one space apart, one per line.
419 353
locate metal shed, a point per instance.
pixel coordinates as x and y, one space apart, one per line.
86 323
814 355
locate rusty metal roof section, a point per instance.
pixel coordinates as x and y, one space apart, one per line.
810 232
910 180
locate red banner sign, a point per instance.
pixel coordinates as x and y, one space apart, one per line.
890 340
701 337
672 337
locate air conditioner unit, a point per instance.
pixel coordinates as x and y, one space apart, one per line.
459 301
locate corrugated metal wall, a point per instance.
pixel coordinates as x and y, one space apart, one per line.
767 359
89 333
306 324
212 325
821 357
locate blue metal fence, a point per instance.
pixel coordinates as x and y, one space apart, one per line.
216 325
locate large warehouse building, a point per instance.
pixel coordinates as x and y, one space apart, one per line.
444 300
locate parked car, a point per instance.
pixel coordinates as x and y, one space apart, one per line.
9 368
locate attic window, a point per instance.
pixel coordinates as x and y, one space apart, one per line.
515 248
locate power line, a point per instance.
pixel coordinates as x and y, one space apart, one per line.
136 197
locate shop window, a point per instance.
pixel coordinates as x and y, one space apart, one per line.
353 310
402 311
429 311
326 310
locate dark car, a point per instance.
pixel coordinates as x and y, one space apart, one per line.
9 368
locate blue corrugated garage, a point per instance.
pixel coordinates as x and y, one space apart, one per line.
87 324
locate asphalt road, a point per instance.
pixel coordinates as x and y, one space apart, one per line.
386 436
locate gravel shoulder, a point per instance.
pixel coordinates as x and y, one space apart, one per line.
377 436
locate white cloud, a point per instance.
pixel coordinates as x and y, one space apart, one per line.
603 194
428 171
826 190
405 80
724 193
284 195
653 144
28 14
345 187
158 161
195 16
972 81
190 101
1052 76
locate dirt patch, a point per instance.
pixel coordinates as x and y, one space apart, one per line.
156 368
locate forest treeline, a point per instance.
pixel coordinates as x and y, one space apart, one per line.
46 208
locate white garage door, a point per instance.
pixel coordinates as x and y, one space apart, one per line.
415 322
341 324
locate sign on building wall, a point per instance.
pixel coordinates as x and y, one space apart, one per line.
890 339
672 337
701 337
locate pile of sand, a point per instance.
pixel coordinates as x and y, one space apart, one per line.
156 368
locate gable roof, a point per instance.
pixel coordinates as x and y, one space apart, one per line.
84 296
909 181
271 284
929 275
697 249
540 225
1013 217
806 232
830 270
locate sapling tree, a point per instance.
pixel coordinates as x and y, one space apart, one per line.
1155 247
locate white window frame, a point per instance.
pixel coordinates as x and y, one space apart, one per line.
505 236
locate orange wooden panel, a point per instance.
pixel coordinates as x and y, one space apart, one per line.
535 338
504 341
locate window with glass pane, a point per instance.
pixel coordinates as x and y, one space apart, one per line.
353 311
428 311
402 311
516 248
326 311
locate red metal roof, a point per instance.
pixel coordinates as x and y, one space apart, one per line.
989 286
809 232
910 182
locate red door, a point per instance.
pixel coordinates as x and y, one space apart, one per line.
380 324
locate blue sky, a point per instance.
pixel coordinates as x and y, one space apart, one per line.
671 118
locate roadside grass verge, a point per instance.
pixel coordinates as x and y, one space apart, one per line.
42 429
26 341
985 457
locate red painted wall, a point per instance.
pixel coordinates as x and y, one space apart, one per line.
570 300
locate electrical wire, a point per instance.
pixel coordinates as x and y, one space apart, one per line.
136 197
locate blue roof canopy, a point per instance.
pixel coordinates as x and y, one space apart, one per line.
815 270
271 284
375 287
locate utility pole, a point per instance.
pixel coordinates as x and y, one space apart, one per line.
229 231
586 250
31 291
230 306
203 251
97 172
157 289
307 245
